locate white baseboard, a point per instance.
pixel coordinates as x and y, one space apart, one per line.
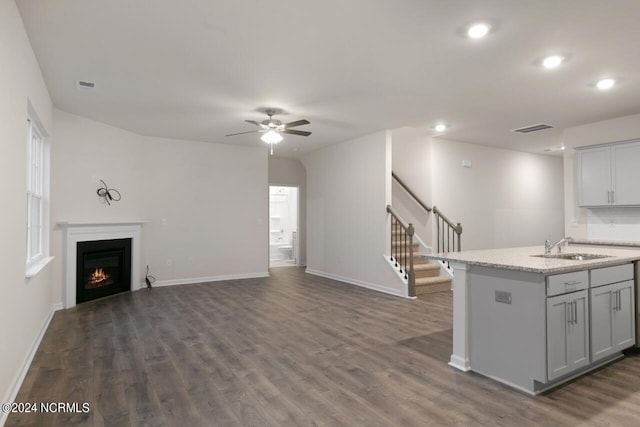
395 292
26 363
460 363
190 281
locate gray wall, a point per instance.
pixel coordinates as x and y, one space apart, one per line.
505 199
348 187
25 305
412 162
213 198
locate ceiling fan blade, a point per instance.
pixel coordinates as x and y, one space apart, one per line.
241 133
297 132
296 123
253 122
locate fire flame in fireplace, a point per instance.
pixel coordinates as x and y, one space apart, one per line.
98 276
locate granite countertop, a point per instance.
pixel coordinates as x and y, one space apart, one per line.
629 243
521 258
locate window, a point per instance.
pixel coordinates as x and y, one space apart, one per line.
37 186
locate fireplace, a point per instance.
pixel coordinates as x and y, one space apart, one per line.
103 268
80 232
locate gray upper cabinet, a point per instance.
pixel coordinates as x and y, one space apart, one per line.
625 161
608 175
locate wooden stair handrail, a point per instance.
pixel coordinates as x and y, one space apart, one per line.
441 221
456 226
407 226
411 193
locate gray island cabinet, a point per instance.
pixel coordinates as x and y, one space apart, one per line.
533 322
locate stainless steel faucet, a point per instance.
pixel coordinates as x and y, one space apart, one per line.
548 246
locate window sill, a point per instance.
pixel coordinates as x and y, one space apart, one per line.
36 267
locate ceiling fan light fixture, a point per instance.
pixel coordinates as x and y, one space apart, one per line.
271 137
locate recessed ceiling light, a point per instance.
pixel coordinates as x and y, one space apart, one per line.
553 61
605 84
478 30
440 127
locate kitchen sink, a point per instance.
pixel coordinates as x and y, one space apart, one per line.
574 257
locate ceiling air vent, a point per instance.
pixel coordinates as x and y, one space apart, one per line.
86 85
533 128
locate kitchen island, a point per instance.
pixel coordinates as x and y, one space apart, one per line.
534 322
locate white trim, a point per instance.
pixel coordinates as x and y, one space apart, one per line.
67 224
36 267
396 270
13 390
356 282
460 356
445 269
404 281
459 363
86 232
192 281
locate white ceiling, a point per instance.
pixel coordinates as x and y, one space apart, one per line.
196 69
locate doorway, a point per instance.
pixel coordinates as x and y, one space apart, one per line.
283 226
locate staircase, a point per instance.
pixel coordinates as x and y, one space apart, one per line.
427 275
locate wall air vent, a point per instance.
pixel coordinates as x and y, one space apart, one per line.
533 128
86 85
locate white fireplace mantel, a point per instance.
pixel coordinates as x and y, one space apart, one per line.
75 232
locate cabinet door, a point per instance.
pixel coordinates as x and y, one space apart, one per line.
567 333
626 174
623 316
612 319
602 304
579 331
594 176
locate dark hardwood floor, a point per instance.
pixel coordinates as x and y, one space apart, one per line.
289 350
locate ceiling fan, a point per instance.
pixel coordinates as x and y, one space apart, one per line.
274 128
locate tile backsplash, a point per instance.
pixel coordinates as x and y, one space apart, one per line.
617 224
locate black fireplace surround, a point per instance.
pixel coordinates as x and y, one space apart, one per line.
103 268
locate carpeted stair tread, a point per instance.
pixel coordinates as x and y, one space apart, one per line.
426 267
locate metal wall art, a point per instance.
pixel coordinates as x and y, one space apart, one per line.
108 194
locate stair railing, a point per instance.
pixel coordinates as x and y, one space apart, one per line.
448 233
402 249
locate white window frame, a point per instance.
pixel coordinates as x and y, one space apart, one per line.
37 192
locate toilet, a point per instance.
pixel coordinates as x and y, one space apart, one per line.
286 251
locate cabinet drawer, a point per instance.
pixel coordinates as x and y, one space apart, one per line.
615 274
568 282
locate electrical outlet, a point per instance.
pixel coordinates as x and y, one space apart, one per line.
169 263
164 221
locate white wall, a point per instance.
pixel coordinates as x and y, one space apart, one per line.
411 149
291 172
595 223
24 304
506 199
213 197
348 188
